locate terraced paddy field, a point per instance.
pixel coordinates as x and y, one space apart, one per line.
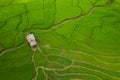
78 39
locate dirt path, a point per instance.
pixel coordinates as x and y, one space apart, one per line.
72 19
11 49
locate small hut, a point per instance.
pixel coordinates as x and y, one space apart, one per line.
31 40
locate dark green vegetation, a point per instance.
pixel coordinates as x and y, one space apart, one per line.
78 39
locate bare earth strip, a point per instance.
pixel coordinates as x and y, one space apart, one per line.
72 19
11 49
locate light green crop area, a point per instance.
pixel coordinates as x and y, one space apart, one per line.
78 39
